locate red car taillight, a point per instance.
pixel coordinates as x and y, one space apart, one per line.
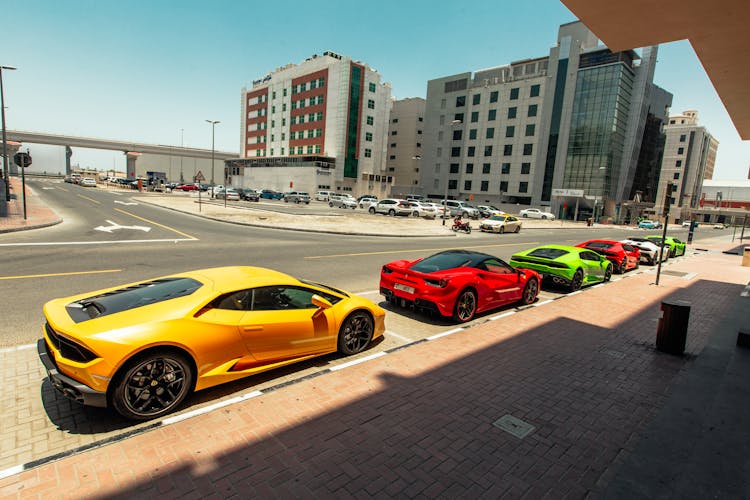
441 283
386 270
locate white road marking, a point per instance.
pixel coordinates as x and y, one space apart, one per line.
445 334
206 409
17 469
126 202
503 315
97 242
393 334
113 227
537 304
17 348
357 361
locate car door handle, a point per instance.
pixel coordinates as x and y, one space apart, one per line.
252 328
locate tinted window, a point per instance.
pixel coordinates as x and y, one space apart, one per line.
448 260
598 245
139 295
497 266
548 253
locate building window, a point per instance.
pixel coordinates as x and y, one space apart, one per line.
472 133
368 153
508 150
454 168
525 168
528 149
486 168
534 91
313 84
512 112
442 103
458 117
303 87
457 135
392 157
503 186
420 119
475 99
676 176
368 136
372 87
283 106
467 185
309 149
469 168
683 137
493 96
471 151
439 152
370 120
514 94
488 151
455 152
530 129
474 116
491 115
419 144
510 131
680 151
490 133
319 116
523 187
453 184
485 186
678 163
532 110
370 104
393 144
394 132
460 101
301 118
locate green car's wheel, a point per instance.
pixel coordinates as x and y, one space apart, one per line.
577 281
607 273
355 333
152 385
466 306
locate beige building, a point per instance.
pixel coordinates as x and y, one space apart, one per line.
689 158
405 145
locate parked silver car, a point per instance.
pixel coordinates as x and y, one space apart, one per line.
461 208
342 201
297 197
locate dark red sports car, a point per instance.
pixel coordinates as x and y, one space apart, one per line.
457 284
622 255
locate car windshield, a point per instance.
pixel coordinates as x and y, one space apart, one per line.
447 260
498 217
598 245
548 253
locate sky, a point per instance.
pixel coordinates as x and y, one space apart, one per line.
155 71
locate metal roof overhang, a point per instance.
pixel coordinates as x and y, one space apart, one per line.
717 31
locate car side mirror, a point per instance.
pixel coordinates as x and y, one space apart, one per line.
320 302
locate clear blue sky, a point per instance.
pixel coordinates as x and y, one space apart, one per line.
143 71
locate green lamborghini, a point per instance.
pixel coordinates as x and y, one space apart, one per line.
676 247
564 265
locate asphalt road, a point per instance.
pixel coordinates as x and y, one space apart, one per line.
107 239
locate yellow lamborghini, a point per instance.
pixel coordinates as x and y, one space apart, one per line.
142 348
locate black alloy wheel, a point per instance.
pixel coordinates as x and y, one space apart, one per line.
621 266
152 385
356 333
502 229
530 291
608 273
518 229
392 212
466 306
372 210
577 281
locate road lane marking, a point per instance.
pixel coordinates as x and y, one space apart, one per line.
361 254
356 361
50 275
90 199
95 242
157 224
393 334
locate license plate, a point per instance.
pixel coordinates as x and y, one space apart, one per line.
403 288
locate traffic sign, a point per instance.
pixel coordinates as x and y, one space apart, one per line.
199 177
22 159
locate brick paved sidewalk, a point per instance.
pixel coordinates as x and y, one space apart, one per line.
38 214
427 420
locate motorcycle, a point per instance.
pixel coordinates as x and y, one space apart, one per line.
459 225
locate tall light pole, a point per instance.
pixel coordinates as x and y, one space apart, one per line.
5 141
213 129
182 145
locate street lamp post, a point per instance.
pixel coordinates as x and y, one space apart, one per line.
182 145
213 130
5 141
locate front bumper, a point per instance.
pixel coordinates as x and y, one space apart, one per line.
69 388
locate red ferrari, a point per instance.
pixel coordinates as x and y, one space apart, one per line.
622 255
457 284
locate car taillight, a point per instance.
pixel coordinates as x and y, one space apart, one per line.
441 283
386 270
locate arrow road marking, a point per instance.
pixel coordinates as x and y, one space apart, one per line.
114 227
126 202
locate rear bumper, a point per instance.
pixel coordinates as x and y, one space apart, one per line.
424 304
68 387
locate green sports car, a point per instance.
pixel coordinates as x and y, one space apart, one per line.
676 247
564 265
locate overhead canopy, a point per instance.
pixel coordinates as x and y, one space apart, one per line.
718 32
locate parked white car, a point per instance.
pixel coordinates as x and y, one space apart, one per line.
500 224
535 213
422 209
367 201
649 250
88 182
342 201
323 195
391 206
